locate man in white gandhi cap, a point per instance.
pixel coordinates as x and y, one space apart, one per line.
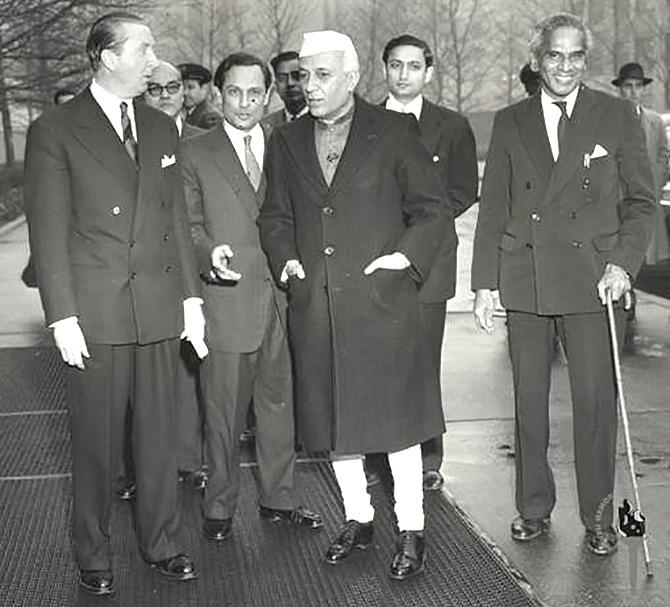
352 234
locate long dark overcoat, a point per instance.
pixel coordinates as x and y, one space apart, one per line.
364 377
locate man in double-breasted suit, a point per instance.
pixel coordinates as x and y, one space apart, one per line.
246 312
448 138
118 283
353 217
566 208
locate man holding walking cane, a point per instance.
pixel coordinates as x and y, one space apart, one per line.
564 221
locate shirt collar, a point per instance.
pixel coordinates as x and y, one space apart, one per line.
290 116
180 124
108 101
413 107
236 134
548 101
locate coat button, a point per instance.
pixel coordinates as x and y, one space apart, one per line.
131 244
436 158
133 275
329 250
166 237
576 244
535 216
168 268
116 211
573 214
328 211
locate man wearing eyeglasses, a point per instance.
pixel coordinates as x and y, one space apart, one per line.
165 92
564 219
225 185
287 80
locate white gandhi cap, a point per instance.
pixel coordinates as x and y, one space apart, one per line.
325 41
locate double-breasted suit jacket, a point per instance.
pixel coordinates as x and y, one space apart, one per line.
545 232
365 381
110 240
223 208
451 144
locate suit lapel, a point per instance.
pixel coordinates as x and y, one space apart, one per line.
362 137
533 133
429 126
300 137
95 132
578 141
150 152
228 163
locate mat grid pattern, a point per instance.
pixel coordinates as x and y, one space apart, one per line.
260 565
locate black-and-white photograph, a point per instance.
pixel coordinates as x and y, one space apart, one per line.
326 303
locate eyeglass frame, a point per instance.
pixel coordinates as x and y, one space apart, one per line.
159 88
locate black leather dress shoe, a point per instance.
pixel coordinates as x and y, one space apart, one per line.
126 492
196 479
97 582
526 529
432 480
410 555
179 568
603 543
298 516
354 535
217 529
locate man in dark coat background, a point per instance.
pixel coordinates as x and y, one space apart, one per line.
118 283
353 218
287 80
200 111
450 142
566 208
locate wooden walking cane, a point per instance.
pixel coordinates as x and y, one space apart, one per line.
631 519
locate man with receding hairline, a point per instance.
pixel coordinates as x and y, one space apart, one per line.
352 220
118 283
565 212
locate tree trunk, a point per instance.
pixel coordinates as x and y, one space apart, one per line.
10 158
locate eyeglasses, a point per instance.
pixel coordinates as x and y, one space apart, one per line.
284 76
156 90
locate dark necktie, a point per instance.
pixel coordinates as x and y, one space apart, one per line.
562 124
128 140
253 170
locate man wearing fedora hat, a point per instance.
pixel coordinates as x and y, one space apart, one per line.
631 82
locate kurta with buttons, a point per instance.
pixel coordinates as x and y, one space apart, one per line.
546 230
365 380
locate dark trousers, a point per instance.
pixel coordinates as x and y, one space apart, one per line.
585 339
117 377
433 316
230 382
189 416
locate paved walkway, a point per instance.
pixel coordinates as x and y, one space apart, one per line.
479 460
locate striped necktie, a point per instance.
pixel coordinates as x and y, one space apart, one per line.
128 140
562 124
253 169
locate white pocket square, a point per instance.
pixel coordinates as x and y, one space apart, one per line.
167 161
598 152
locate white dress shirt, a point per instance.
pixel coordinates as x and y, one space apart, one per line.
110 104
237 136
552 114
413 107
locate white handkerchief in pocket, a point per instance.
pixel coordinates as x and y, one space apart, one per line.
167 161
598 152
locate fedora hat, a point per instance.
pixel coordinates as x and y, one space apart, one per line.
631 71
